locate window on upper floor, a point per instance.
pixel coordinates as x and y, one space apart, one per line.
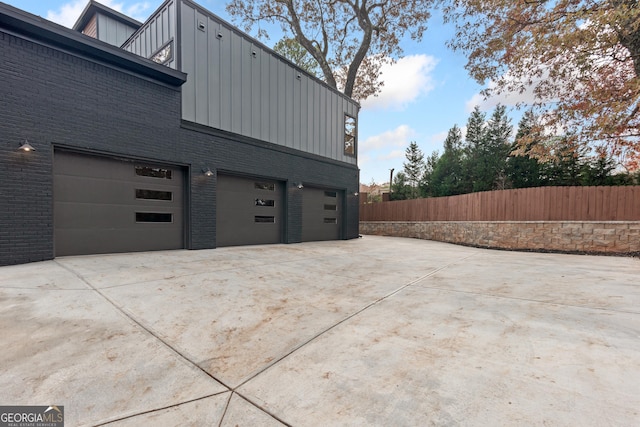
349 135
164 54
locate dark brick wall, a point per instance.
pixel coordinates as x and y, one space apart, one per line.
54 99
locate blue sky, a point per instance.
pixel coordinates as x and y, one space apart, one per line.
425 93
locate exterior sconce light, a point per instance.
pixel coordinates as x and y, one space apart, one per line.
207 172
26 147
299 185
219 35
356 193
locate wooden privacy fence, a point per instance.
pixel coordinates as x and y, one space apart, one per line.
621 203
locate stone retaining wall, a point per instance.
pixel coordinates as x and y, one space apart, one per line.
614 237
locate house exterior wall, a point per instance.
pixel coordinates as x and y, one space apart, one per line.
105 110
160 29
112 31
94 110
238 85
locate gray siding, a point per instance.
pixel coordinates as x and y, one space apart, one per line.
237 85
155 33
112 31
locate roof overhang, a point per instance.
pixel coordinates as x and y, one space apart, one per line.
94 7
38 29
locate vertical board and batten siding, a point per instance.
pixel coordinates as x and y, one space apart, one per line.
258 96
112 31
229 88
158 30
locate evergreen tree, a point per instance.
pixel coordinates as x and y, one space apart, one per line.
487 149
473 142
523 171
414 168
447 177
427 183
601 170
401 190
568 165
495 151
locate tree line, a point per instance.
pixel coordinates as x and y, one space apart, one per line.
489 158
580 58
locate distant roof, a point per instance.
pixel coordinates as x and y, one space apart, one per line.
94 7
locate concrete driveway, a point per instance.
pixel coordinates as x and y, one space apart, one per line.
374 331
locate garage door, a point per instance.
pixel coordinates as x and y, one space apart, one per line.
321 214
104 205
249 211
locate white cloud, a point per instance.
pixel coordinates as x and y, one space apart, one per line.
527 97
398 137
439 138
69 13
139 11
379 153
523 86
395 154
404 82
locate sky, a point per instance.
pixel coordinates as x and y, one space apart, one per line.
425 92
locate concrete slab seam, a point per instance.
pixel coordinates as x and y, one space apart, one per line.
151 411
47 289
149 331
226 407
152 333
349 317
246 399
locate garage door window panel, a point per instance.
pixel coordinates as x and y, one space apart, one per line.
262 219
143 194
154 217
267 186
267 203
152 172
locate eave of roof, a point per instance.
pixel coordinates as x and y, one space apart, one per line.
95 7
36 28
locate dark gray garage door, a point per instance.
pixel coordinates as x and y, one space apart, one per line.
104 205
321 214
249 211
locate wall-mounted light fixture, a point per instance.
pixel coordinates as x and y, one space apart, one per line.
356 193
219 35
26 147
207 172
298 185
